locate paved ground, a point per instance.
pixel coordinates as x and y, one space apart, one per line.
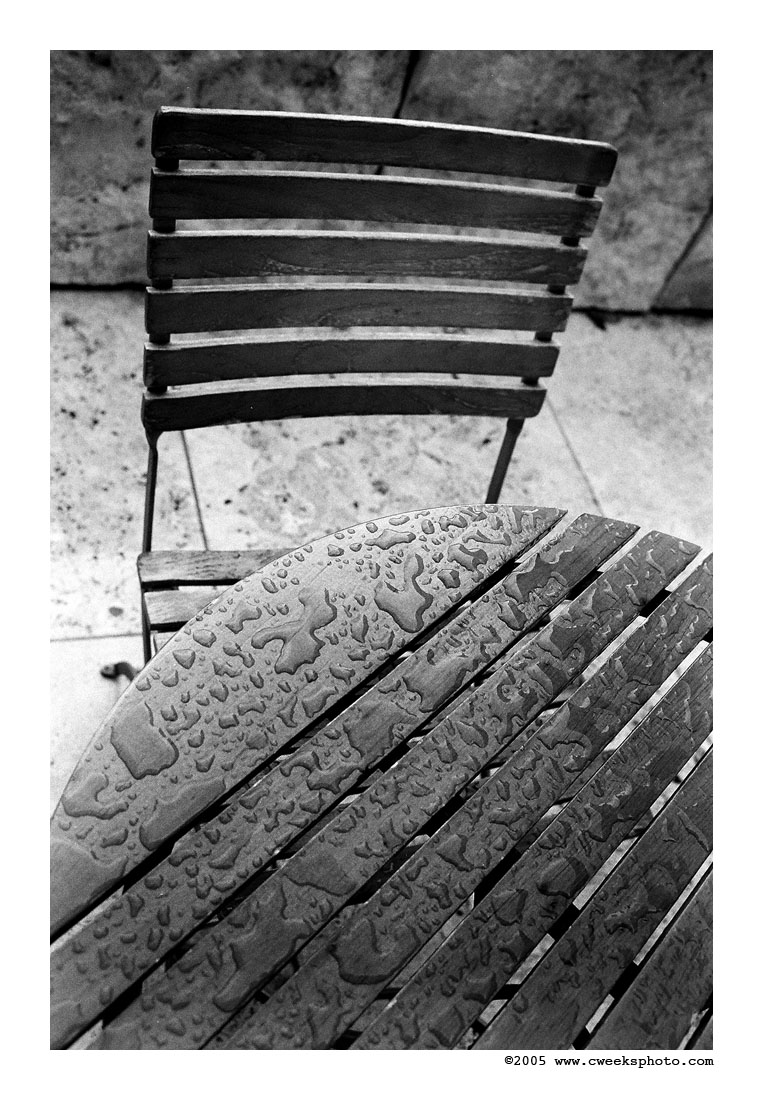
625 432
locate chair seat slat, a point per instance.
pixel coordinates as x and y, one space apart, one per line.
195 194
199 134
172 609
221 567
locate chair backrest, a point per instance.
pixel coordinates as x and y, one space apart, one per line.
396 310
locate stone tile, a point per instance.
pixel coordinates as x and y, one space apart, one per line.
634 400
285 483
654 106
98 464
102 104
81 698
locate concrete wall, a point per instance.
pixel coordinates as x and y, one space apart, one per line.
653 247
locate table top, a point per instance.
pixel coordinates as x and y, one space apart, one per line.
439 780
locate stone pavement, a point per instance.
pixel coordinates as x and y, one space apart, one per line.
625 431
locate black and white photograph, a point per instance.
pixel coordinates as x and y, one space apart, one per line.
381 555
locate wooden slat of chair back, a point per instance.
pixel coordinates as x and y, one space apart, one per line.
329 351
182 133
354 285
196 194
198 407
281 305
226 254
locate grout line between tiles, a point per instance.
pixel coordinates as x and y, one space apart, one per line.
575 459
686 251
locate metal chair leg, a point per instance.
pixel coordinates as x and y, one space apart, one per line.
124 668
145 629
148 508
148 530
513 428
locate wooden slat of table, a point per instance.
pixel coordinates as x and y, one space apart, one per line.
555 1002
442 1001
258 823
671 988
254 940
178 738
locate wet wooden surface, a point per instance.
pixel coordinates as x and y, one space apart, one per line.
382 734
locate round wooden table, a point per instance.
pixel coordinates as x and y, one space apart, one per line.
439 780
